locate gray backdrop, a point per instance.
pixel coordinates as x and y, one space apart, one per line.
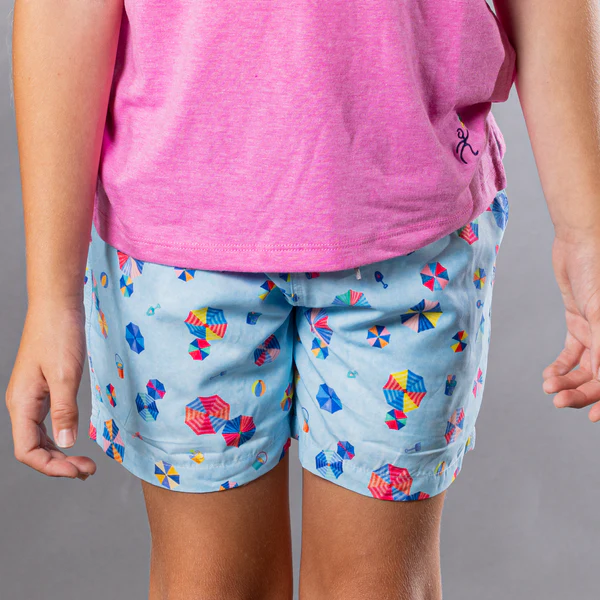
520 522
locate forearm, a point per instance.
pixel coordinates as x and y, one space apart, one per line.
63 61
558 82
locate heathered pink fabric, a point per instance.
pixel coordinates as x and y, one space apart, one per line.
294 135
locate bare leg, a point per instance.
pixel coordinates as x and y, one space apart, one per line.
354 546
233 544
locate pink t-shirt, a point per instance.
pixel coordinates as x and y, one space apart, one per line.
294 135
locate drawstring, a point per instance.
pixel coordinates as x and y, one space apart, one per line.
357 271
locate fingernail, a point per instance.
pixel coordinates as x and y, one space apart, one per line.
65 438
83 476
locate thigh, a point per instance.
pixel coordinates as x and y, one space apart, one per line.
228 544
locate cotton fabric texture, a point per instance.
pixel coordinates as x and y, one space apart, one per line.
290 136
201 379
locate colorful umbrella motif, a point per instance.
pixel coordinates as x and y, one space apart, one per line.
312 275
319 348
351 298
166 474
470 443
285 448
481 328
113 443
252 317
199 349
305 426
95 297
119 365
126 285
441 467
469 232
134 337
111 394
317 320
328 400
267 352
155 389
259 387
102 323
460 337
185 274
196 456
268 286
395 419
378 336
329 464
239 430
404 390
207 323
389 482
206 414
146 406
450 384
285 276
129 265
288 394
500 208
455 425
92 432
345 450
434 276
478 383
422 316
99 393
456 472
228 485
479 278
415 496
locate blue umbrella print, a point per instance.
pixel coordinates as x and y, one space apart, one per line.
134 337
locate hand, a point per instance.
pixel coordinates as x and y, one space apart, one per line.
576 262
45 378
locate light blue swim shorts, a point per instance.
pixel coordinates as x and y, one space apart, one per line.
201 379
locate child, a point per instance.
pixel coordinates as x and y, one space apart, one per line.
286 217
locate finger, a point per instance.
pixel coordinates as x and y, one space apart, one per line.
63 407
85 464
568 358
584 395
593 317
570 381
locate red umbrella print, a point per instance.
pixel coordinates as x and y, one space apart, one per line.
206 414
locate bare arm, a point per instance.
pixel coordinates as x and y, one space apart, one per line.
558 82
63 63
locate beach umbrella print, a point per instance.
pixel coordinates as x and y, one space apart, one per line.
228 485
434 276
351 298
460 337
134 337
319 348
481 327
404 390
239 430
305 415
469 232
422 316
146 406
166 474
285 448
155 389
317 320
268 286
499 208
258 388
199 349
288 394
95 297
470 443
185 274
478 383
207 323
92 432
103 324
395 419
328 400
389 482
440 468
206 414
345 450
329 464
267 352
129 265
454 425
126 286
113 443
415 496
111 394
378 336
479 278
